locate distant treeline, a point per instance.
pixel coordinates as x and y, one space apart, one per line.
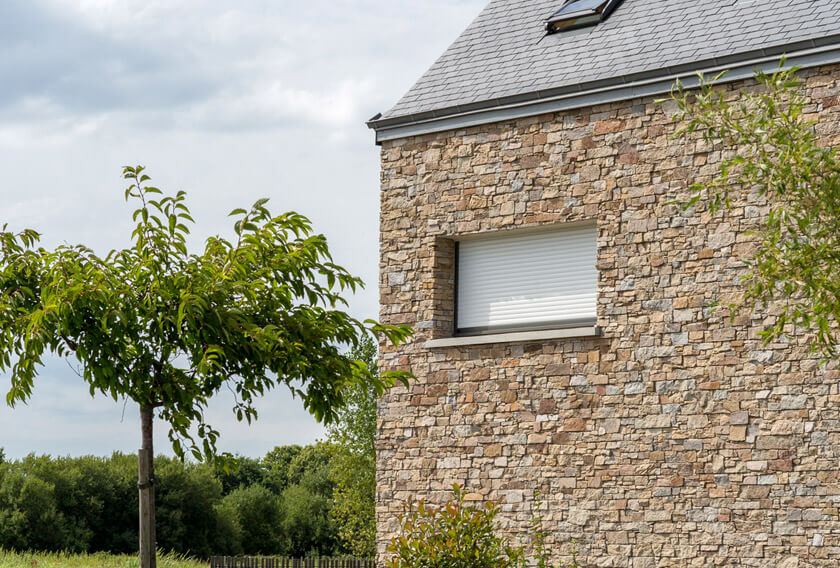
279 504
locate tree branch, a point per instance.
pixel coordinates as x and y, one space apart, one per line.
69 342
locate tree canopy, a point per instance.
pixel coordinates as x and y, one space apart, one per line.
168 328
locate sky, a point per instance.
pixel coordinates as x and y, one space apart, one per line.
228 101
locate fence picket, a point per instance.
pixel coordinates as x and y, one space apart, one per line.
287 562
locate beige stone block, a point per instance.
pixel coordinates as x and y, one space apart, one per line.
739 418
611 426
737 433
657 421
567 482
773 442
492 450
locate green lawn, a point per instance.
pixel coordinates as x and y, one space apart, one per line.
98 560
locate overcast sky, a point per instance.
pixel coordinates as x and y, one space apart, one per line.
229 101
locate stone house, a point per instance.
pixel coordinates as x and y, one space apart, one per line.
564 339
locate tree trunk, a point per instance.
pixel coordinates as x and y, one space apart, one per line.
146 485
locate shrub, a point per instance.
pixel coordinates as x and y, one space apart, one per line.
307 528
453 536
242 472
254 513
279 505
186 518
276 464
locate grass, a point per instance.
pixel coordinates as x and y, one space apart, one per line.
10 559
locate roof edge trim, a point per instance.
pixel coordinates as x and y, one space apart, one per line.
818 52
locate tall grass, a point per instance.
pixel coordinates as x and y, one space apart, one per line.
10 559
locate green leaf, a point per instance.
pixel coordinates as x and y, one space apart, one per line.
161 326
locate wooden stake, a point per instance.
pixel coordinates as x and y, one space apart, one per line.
146 486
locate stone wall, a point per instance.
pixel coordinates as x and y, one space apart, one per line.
677 438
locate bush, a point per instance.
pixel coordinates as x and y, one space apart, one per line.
452 536
460 536
56 504
278 505
29 517
307 527
186 515
89 504
244 472
276 464
254 514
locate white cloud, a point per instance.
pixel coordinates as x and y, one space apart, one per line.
272 104
38 121
227 103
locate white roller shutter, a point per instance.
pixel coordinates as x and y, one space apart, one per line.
528 280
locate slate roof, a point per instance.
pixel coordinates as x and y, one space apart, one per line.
505 53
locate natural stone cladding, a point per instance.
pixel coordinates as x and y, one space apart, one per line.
677 438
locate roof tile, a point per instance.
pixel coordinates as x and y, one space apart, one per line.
505 51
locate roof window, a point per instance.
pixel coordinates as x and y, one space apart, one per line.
580 13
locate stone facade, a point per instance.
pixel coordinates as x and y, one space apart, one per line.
675 439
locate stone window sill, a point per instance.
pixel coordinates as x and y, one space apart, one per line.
514 337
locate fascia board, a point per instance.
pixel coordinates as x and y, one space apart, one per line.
617 90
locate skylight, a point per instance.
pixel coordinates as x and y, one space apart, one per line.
580 13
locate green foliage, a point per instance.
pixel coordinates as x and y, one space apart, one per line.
242 471
89 504
9 559
29 517
353 466
453 536
294 495
168 329
255 515
311 467
460 536
307 528
186 516
65 504
306 502
276 464
772 148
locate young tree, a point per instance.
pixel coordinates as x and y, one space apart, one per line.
167 329
774 150
353 467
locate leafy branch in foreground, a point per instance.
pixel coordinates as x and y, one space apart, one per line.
772 149
168 329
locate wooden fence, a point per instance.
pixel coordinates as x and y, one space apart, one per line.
274 562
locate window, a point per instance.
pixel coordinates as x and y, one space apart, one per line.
580 13
531 280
